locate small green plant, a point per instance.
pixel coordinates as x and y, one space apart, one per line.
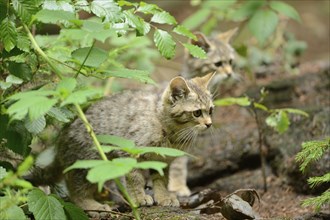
277 119
311 152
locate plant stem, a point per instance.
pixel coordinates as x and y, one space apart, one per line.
41 52
81 66
104 157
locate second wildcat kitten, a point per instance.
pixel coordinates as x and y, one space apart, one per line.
170 118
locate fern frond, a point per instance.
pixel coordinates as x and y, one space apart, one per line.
314 181
318 201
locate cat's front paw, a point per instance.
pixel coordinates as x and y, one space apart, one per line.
143 200
182 191
167 200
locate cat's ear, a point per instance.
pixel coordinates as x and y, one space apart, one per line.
205 81
227 36
201 41
178 88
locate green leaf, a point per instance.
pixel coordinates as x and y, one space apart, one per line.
25 9
14 80
148 8
44 207
23 42
107 10
3 174
279 121
286 9
142 27
164 43
163 18
95 57
54 16
163 151
35 126
155 165
61 5
40 108
66 86
73 212
11 211
263 24
8 34
25 165
247 9
242 101
195 51
260 106
81 96
115 140
85 164
21 70
295 111
58 114
140 75
182 30
219 5
197 18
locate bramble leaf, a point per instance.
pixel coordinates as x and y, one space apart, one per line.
164 43
195 51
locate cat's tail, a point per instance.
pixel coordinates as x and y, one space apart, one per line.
47 170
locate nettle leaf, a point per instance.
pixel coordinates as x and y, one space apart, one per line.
8 34
25 9
286 9
155 165
140 75
142 27
148 8
81 96
279 121
195 51
263 24
44 207
116 140
163 18
182 30
95 56
164 43
35 126
108 10
54 16
197 18
74 212
242 101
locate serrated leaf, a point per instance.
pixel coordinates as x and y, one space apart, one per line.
247 9
140 75
108 10
81 96
85 164
163 151
195 51
263 24
21 70
40 108
54 16
182 30
66 85
163 18
164 43
58 6
35 126
116 140
295 111
23 42
286 9
147 8
11 212
155 165
242 101
74 212
8 34
142 27
58 114
197 18
44 207
96 56
25 9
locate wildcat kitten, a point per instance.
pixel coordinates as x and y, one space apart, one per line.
169 119
220 57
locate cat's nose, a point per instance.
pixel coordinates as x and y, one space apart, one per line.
208 125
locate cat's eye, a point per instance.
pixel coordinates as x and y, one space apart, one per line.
211 111
197 113
218 64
